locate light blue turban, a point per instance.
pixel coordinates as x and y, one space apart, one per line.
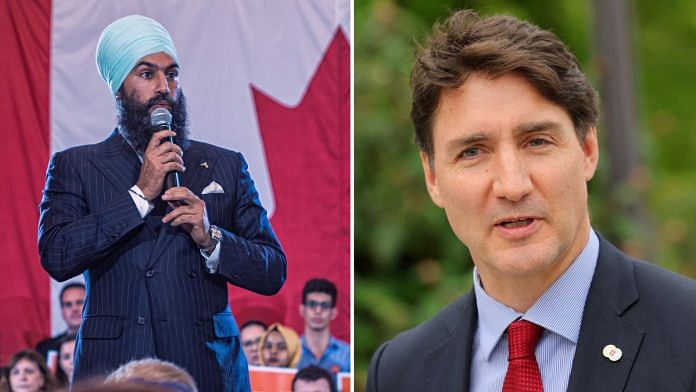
124 42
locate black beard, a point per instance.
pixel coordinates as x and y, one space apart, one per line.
134 120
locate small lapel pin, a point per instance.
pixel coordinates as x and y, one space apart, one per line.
612 352
204 164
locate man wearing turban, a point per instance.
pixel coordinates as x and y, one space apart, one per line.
156 260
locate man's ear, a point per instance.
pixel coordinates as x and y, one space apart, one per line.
301 309
334 313
431 178
590 149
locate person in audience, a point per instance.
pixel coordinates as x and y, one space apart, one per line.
129 386
250 335
72 296
26 371
152 371
313 379
279 347
64 370
318 309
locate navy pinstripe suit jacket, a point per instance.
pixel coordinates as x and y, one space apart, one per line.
148 291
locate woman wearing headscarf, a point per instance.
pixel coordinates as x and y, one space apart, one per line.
280 347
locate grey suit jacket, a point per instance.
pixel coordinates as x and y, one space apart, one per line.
648 312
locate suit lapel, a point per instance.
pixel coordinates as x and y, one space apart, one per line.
612 292
198 172
117 161
447 366
197 175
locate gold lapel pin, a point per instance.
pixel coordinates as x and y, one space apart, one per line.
204 164
612 352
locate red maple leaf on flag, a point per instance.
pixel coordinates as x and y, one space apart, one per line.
307 149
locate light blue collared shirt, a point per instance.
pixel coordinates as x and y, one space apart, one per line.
336 357
559 310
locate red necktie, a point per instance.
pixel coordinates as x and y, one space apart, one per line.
523 370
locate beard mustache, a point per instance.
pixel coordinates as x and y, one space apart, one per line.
134 120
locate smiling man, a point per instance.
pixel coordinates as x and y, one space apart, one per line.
156 259
505 121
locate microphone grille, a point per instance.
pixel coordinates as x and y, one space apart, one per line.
160 116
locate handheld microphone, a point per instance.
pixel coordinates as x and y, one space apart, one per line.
161 120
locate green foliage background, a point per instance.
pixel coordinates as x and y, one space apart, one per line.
408 263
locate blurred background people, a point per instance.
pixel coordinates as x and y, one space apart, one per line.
64 368
313 379
279 347
318 309
72 297
26 371
250 335
154 372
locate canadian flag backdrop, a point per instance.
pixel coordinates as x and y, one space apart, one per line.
270 79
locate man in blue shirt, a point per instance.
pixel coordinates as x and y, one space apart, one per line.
318 309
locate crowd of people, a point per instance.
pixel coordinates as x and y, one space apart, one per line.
316 354
280 346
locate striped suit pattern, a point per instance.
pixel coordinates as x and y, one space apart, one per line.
149 293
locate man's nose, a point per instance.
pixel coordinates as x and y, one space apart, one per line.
512 180
162 83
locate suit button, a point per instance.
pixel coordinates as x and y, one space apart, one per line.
150 273
199 322
141 320
192 274
112 234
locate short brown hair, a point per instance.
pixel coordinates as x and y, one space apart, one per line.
465 43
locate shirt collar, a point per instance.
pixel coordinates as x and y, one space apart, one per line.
558 310
332 342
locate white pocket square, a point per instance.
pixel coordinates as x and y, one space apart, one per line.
213 187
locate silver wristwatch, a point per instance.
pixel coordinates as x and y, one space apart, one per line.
216 235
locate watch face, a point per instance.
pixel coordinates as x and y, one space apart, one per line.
215 233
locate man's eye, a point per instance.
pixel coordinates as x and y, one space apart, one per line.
146 74
537 142
172 75
470 152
